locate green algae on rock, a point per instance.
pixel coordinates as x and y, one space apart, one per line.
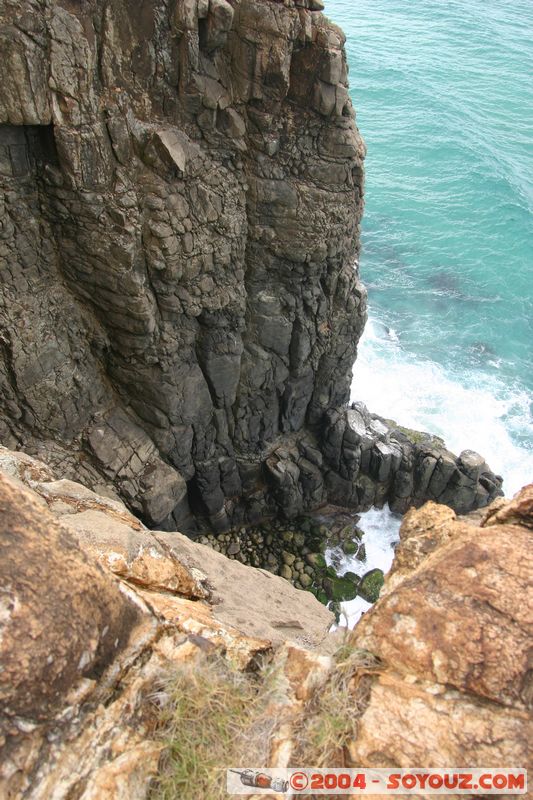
371 584
295 551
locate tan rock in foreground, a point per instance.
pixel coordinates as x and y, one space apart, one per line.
253 601
455 638
440 675
518 511
410 723
451 685
77 709
62 618
464 617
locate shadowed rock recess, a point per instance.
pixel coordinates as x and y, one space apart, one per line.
180 195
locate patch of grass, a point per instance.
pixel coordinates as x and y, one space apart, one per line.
329 722
215 719
417 437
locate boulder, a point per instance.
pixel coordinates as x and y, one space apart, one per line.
409 722
461 617
370 585
63 618
252 600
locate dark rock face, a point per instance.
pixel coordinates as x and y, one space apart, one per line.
180 193
370 461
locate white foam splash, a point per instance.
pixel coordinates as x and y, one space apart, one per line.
472 410
381 534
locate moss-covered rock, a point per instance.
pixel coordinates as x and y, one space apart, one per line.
341 588
316 560
299 540
322 597
295 551
351 548
416 437
351 576
335 607
370 585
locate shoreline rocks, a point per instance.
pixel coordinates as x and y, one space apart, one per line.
180 307
296 551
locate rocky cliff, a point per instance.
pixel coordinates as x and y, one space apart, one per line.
181 187
96 615
101 618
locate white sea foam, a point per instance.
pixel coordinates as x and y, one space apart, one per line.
470 411
381 533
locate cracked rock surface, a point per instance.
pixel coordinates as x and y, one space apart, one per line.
437 673
181 188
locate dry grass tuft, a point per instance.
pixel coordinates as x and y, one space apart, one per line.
330 718
215 719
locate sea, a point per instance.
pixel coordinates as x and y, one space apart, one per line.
443 94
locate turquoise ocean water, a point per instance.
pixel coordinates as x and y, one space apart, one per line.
444 99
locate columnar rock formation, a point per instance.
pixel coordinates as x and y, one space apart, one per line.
180 194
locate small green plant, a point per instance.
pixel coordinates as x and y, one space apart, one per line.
215 719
